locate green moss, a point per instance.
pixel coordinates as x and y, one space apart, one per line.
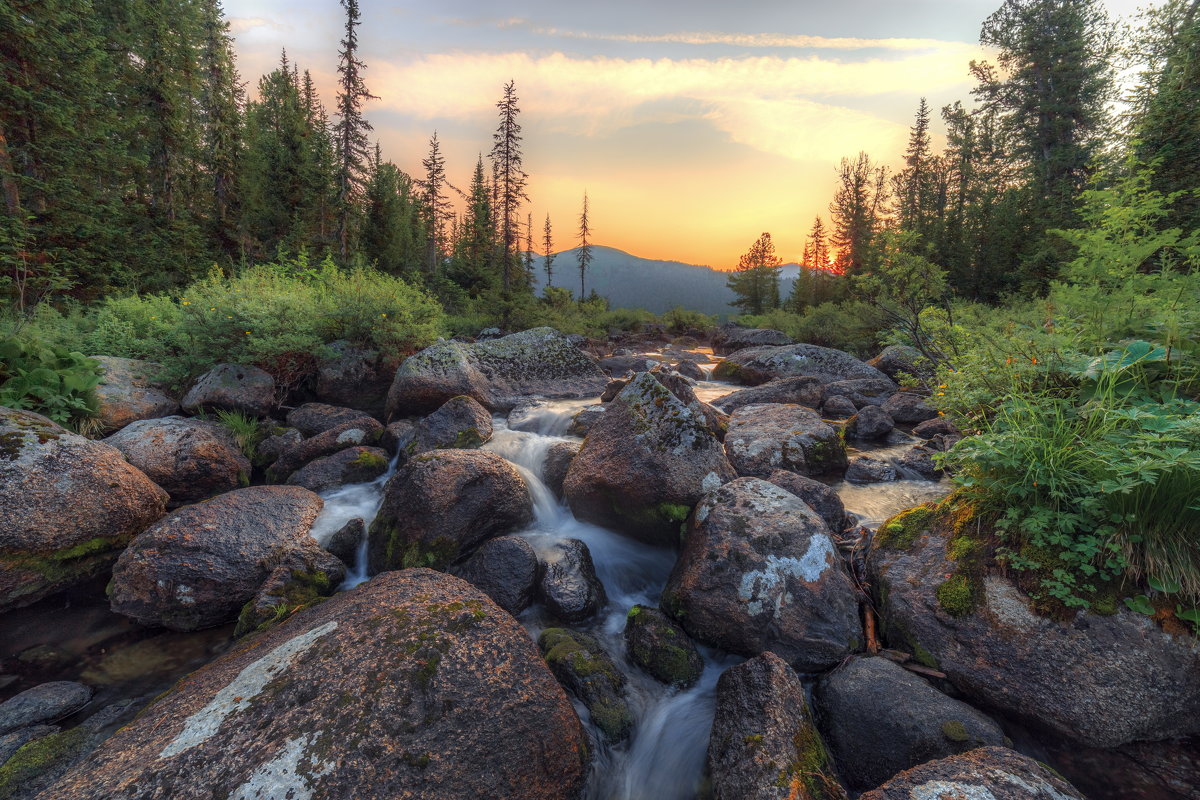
36 757
808 767
955 731
11 445
754 740
613 718
560 646
957 595
467 439
369 460
633 612
902 530
303 589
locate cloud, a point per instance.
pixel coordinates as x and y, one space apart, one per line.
245 24
792 41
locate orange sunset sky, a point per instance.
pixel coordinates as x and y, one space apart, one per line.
693 126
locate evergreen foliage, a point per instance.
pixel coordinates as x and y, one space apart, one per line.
755 280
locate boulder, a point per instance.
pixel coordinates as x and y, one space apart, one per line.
413 685
582 422
759 571
645 463
987 773
443 504
1099 680
344 542
46 702
619 366
498 373
684 392
763 744
364 431
730 339
879 719
198 566
614 387
272 447
352 465
232 387
865 469
568 585
690 369
870 424
908 408
460 423
1167 770
354 377
838 407
397 435
756 365
506 569
936 426
67 507
802 391
190 458
303 577
764 438
557 463
919 461
900 358
313 418
819 497
862 392
661 648
130 390
589 673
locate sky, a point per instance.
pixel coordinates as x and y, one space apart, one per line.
692 126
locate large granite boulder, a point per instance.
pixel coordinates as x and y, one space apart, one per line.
879 719
909 408
764 438
413 685
759 571
820 497
872 423
801 391
232 387
763 744
986 773
898 360
460 423
645 463
506 568
862 392
756 365
589 673
498 373
197 567
68 505
730 339
191 458
443 504
1099 680
354 377
130 390
568 585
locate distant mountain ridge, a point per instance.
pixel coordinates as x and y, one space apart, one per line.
629 281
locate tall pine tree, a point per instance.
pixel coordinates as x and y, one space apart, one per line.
350 131
583 253
509 181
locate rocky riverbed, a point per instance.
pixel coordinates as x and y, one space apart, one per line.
538 566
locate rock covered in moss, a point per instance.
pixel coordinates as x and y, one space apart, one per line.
871 423
589 673
354 377
131 390
67 507
232 387
681 387
802 391
756 365
879 719
558 462
190 458
759 571
443 504
412 685
730 339
770 436
645 463
994 773
363 432
568 585
506 568
1099 680
498 373
661 648
820 497
45 702
197 567
909 408
764 745
352 465
302 577
313 418
459 423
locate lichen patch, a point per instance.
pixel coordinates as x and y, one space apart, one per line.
288 775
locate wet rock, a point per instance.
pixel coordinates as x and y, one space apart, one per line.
582 666
645 463
879 719
344 542
994 773
558 462
862 392
763 438
190 458
232 387
908 408
460 423
803 391
865 469
899 358
130 390
443 504
397 435
352 465
690 369
661 648
1098 680
569 587
757 365
354 377
46 702
313 418
272 447
936 426
413 685
838 407
619 366
731 339
364 431
819 497
870 424
919 460
497 373
759 571
587 417
10 743
67 507
764 745
1167 770
302 578
197 567
613 388
506 568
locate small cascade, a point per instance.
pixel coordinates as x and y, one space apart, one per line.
344 503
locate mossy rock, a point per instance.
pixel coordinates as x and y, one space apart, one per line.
588 672
661 648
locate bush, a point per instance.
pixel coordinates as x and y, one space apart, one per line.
49 380
851 326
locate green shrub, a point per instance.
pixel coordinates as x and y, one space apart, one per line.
49 380
247 431
680 319
852 326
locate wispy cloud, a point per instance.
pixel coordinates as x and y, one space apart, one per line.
775 40
244 24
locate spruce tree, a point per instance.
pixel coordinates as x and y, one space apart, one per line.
472 265
392 234
435 205
350 131
755 280
530 278
583 253
548 252
221 103
857 211
508 182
